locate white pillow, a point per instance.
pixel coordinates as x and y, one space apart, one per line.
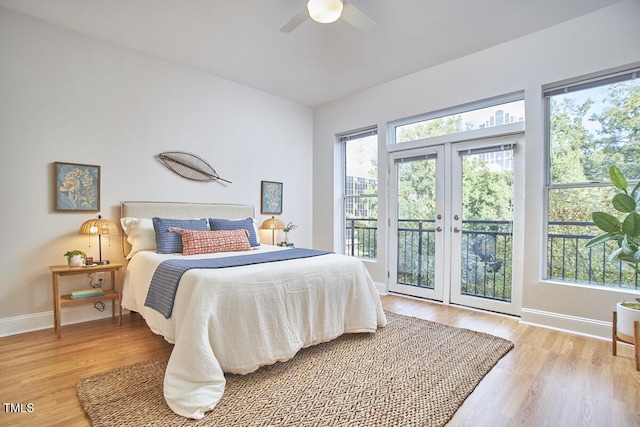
140 234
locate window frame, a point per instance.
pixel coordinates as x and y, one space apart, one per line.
353 198
574 85
515 127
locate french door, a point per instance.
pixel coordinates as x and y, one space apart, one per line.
451 224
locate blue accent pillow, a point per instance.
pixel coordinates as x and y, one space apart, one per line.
235 224
170 242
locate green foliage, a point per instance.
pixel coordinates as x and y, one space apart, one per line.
416 190
432 128
619 134
74 252
590 132
569 139
290 226
487 194
633 305
625 232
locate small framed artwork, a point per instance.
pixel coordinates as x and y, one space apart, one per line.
77 187
270 197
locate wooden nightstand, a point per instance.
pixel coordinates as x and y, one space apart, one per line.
113 294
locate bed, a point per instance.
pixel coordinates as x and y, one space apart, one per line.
238 318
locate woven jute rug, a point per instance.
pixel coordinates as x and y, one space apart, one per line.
413 372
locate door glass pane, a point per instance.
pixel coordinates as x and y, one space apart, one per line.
416 221
486 241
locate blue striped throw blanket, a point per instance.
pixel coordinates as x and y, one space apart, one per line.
164 284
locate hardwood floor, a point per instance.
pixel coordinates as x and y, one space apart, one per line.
549 379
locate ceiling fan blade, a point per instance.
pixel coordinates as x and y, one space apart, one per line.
357 18
296 21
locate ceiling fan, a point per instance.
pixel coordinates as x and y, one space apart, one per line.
327 11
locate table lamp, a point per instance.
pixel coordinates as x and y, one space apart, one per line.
99 226
273 224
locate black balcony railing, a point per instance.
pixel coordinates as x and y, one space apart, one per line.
361 238
568 259
416 249
486 259
486 255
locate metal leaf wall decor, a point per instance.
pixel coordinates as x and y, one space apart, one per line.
190 166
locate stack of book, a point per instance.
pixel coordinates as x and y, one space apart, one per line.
87 293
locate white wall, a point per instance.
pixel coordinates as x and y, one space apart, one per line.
598 41
71 98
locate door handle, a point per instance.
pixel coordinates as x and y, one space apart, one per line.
456 230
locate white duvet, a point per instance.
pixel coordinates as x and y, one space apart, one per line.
238 319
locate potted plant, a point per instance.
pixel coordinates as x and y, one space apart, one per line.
75 258
290 226
627 235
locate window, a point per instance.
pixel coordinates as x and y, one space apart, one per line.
360 197
591 125
480 115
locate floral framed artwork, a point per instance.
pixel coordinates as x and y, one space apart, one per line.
270 197
77 187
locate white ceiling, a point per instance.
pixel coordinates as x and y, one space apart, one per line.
316 63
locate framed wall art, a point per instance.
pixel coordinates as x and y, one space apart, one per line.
77 187
270 197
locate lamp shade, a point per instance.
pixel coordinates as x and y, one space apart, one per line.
99 226
273 223
325 11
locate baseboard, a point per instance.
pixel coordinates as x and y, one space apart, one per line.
38 321
565 323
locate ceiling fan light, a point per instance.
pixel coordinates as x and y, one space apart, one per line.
325 11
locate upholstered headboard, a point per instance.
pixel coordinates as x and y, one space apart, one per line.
140 230
181 210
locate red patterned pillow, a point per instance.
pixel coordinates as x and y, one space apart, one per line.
207 242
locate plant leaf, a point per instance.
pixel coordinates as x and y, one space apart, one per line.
600 239
629 259
613 255
624 203
633 240
606 222
617 179
634 265
631 225
634 192
627 249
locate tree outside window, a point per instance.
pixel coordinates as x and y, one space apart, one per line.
591 126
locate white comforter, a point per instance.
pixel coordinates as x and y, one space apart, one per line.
238 319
